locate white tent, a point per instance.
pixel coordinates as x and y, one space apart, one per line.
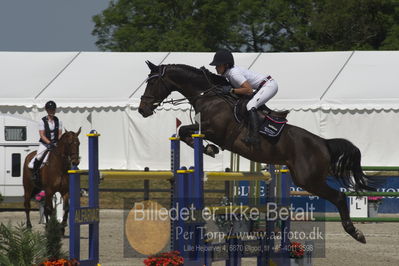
332 94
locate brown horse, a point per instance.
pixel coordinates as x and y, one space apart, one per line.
53 175
309 158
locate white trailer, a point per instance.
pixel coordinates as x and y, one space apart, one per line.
18 137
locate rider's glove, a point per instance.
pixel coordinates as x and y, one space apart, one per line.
226 89
50 146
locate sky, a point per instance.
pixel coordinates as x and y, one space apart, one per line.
48 25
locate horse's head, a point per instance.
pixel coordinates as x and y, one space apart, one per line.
156 91
70 142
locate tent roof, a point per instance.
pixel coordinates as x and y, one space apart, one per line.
368 81
330 80
302 77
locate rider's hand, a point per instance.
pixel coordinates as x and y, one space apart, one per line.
50 146
226 89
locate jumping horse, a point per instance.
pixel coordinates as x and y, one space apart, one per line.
53 175
309 157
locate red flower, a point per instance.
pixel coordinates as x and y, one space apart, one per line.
60 262
374 198
297 250
164 259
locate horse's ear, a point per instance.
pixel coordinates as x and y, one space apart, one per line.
153 68
66 130
77 133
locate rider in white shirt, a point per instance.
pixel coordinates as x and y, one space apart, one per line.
50 130
246 82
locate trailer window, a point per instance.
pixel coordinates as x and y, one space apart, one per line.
15 133
16 164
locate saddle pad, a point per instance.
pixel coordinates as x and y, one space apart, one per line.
272 126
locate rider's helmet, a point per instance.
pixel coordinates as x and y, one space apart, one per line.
223 57
50 105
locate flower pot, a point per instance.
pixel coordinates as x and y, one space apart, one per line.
373 208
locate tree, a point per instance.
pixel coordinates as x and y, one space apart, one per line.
248 25
156 25
391 42
352 24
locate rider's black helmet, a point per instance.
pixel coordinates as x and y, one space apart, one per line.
50 105
223 57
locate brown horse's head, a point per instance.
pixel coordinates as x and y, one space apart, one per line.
70 143
156 91
191 82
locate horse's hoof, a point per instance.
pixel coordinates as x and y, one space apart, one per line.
359 236
211 150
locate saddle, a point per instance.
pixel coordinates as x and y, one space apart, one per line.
271 122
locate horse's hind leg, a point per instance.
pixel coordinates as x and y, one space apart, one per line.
339 200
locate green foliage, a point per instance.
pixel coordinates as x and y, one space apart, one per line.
248 25
156 25
54 239
21 246
1 198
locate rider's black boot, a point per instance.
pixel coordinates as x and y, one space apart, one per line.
35 171
253 135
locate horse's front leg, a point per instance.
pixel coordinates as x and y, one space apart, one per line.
185 133
48 205
65 199
27 197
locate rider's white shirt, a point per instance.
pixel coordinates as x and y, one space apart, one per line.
51 125
238 75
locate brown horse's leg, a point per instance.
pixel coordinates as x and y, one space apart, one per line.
48 206
339 200
28 187
185 133
27 196
65 199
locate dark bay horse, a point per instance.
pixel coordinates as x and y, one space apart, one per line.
309 158
53 175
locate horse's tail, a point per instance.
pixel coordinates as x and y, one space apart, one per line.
345 165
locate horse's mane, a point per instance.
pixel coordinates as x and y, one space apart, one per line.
64 135
215 79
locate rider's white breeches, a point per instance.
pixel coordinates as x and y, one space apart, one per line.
39 155
263 95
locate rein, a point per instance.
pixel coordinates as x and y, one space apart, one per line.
177 101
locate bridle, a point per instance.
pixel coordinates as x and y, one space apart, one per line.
149 98
70 154
159 102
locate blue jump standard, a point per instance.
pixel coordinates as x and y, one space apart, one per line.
90 215
188 191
